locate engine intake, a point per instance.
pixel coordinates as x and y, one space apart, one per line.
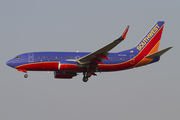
66 65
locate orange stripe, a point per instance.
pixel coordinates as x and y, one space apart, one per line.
145 61
155 48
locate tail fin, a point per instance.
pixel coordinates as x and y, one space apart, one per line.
150 43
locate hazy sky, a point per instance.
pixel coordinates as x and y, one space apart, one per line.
146 93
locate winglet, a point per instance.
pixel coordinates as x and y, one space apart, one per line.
123 36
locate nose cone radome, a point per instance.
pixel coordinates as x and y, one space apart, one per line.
10 63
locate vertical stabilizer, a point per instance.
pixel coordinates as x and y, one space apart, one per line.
152 39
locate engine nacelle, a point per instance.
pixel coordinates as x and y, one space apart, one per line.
68 65
65 75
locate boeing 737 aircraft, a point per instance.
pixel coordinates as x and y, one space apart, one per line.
68 64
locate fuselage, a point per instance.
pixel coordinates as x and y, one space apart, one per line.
51 61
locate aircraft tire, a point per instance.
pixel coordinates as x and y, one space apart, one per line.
85 79
25 75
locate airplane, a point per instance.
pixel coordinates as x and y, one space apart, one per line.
67 65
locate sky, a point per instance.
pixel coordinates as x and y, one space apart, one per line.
144 93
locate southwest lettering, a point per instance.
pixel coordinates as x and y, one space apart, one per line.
145 40
138 48
148 37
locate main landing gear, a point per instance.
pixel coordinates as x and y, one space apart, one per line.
85 79
86 76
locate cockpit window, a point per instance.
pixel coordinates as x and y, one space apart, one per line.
18 57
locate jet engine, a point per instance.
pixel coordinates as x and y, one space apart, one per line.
65 75
67 65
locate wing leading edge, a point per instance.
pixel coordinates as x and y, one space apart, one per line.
101 54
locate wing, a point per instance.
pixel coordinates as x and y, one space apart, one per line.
101 54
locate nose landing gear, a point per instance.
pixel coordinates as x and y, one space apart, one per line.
25 75
25 71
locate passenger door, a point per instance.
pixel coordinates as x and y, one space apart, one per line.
132 59
30 57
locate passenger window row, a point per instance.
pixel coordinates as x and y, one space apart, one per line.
54 57
75 58
118 58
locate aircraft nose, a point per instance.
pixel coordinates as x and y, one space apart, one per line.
10 63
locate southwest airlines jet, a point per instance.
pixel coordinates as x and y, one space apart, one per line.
67 65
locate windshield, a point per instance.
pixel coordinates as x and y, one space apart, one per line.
18 57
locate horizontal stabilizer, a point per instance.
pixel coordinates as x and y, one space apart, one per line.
159 53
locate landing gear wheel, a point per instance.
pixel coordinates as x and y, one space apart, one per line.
25 75
85 79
